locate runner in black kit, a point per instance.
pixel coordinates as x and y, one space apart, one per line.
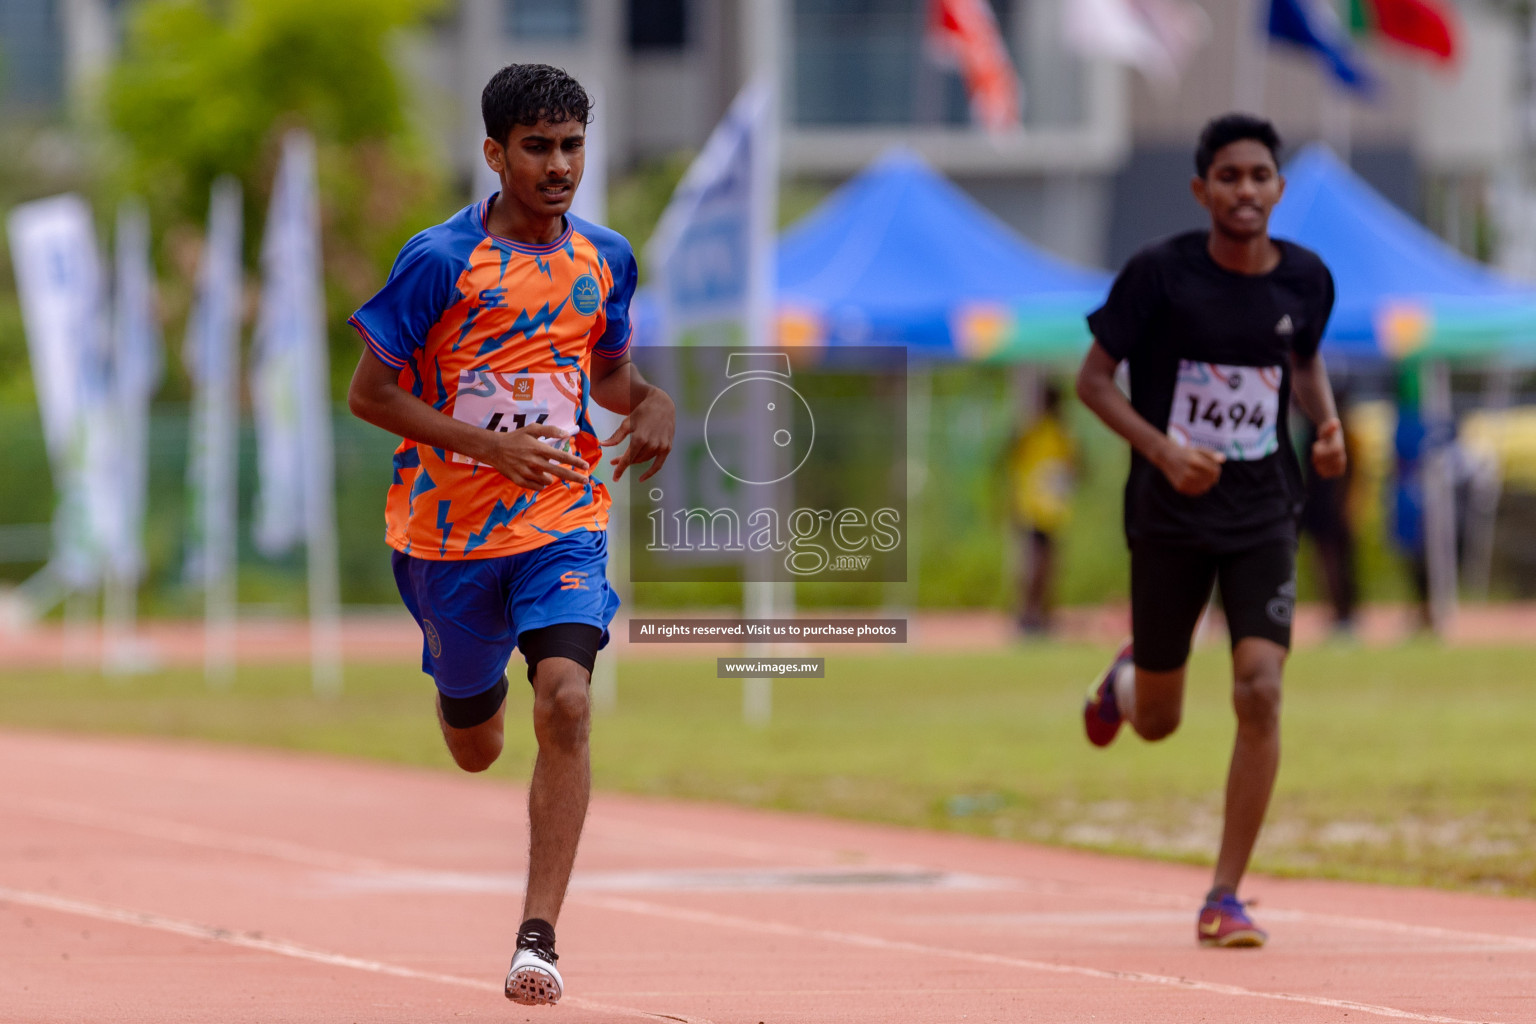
1220 329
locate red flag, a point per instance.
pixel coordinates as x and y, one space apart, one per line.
965 33
1422 24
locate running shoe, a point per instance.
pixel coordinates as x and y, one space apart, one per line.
533 979
1225 923
1101 713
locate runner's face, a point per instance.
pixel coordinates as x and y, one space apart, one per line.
1241 188
541 165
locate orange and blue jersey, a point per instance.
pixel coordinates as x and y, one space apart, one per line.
499 334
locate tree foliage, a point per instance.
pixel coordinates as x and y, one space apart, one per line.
208 87
202 88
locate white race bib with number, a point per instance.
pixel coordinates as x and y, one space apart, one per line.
505 402
1228 409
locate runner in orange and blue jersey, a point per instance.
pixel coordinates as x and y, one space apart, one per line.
485 350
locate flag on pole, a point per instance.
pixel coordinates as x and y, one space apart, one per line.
1424 25
291 393
964 34
712 266
136 369
711 262
1157 37
1315 25
59 281
211 352
712 252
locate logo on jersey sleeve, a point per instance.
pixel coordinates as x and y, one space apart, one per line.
584 295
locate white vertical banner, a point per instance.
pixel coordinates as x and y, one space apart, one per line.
59 280
212 355
712 262
136 370
290 391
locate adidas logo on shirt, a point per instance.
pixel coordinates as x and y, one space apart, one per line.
1285 328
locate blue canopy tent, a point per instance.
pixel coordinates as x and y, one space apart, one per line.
1402 293
900 256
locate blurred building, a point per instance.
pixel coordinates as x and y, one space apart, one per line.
1100 167
1103 161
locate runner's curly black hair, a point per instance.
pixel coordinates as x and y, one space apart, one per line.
531 94
1229 128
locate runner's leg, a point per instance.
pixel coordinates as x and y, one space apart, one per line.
477 747
561 786
1157 704
466 641
1258 591
562 604
1169 589
1256 669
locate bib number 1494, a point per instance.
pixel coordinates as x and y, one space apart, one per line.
1228 409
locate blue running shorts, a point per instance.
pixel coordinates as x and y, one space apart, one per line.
472 610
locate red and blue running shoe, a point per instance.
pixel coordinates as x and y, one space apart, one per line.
1225 923
1101 712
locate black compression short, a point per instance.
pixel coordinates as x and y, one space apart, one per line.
468 712
577 641
1170 586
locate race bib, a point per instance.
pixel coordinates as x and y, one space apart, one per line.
1227 409
505 402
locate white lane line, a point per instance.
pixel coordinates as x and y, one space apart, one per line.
392 873
166 830
1428 931
251 940
706 917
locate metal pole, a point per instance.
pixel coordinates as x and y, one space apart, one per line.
1439 494
1482 516
763 24
220 452
321 555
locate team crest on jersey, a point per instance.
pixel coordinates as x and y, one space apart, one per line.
584 295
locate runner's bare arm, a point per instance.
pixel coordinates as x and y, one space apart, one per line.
649 415
377 397
1192 471
1314 395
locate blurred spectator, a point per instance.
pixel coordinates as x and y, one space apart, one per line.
1325 517
1413 441
1041 466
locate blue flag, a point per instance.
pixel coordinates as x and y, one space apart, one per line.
1315 25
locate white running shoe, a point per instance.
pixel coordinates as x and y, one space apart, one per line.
533 979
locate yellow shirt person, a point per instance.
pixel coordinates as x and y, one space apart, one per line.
1041 469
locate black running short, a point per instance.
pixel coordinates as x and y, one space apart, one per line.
1170 586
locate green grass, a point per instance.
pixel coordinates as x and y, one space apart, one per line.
1409 765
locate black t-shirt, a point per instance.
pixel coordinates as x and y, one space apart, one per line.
1209 359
